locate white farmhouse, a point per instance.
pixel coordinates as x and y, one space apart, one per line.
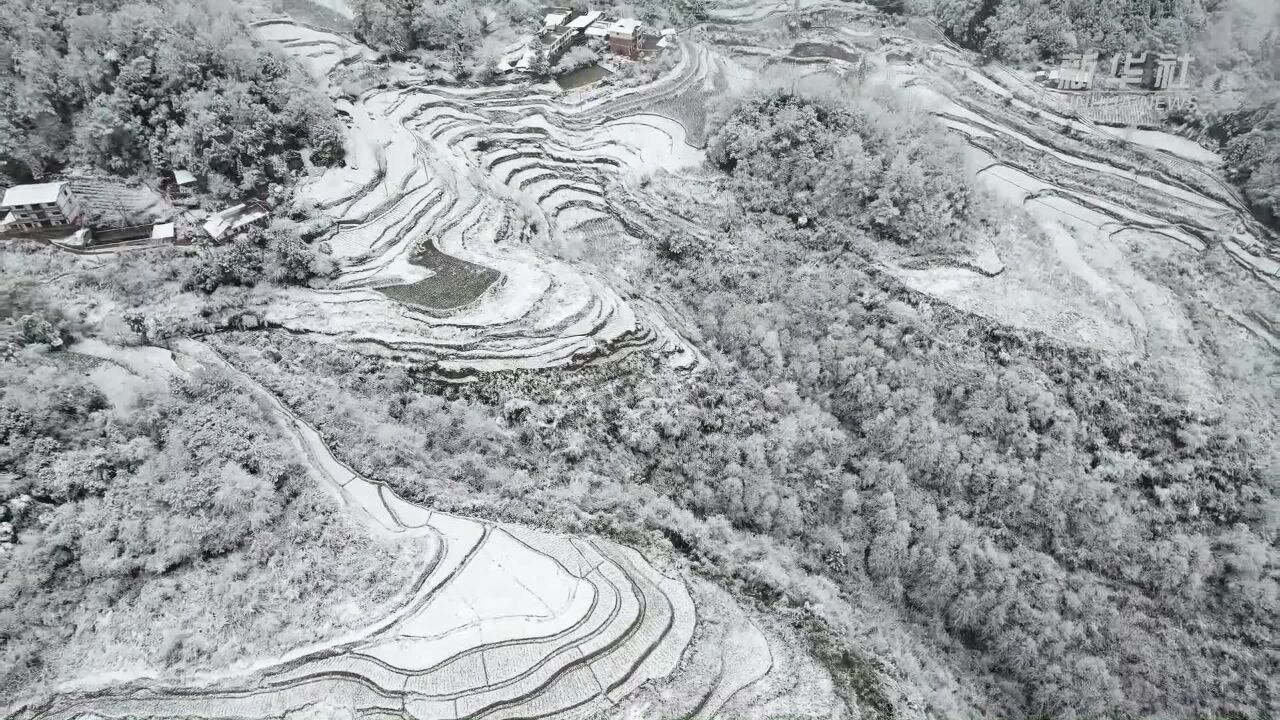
40 205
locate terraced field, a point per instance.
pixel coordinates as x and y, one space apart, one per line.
461 214
111 204
533 183
501 621
1119 218
1119 212
485 229
505 622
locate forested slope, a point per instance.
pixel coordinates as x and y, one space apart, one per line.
152 521
1064 515
1049 525
140 87
1021 30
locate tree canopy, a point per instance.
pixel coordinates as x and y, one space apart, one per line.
1020 30
158 525
856 158
143 86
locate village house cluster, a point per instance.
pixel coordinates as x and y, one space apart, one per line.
1134 71
561 29
55 206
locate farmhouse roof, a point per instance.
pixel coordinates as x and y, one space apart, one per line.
583 21
625 26
553 35
554 19
233 218
163 231
183 177
32 194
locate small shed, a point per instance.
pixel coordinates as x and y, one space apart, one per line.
164 231
184 184
224 224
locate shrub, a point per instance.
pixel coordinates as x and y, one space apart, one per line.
276 254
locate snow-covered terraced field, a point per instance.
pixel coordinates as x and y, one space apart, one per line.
1107 217
505 622
502 621
485 229
456 206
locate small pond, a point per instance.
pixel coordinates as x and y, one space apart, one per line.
582 77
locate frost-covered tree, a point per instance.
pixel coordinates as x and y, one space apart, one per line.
815 156
576 57
537 52
113 500
146 86
276 254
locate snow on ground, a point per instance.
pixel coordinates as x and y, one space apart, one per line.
1182 147
935 101
501 615
1019 303
319 51
503 592
143 361
442 185
1082 284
